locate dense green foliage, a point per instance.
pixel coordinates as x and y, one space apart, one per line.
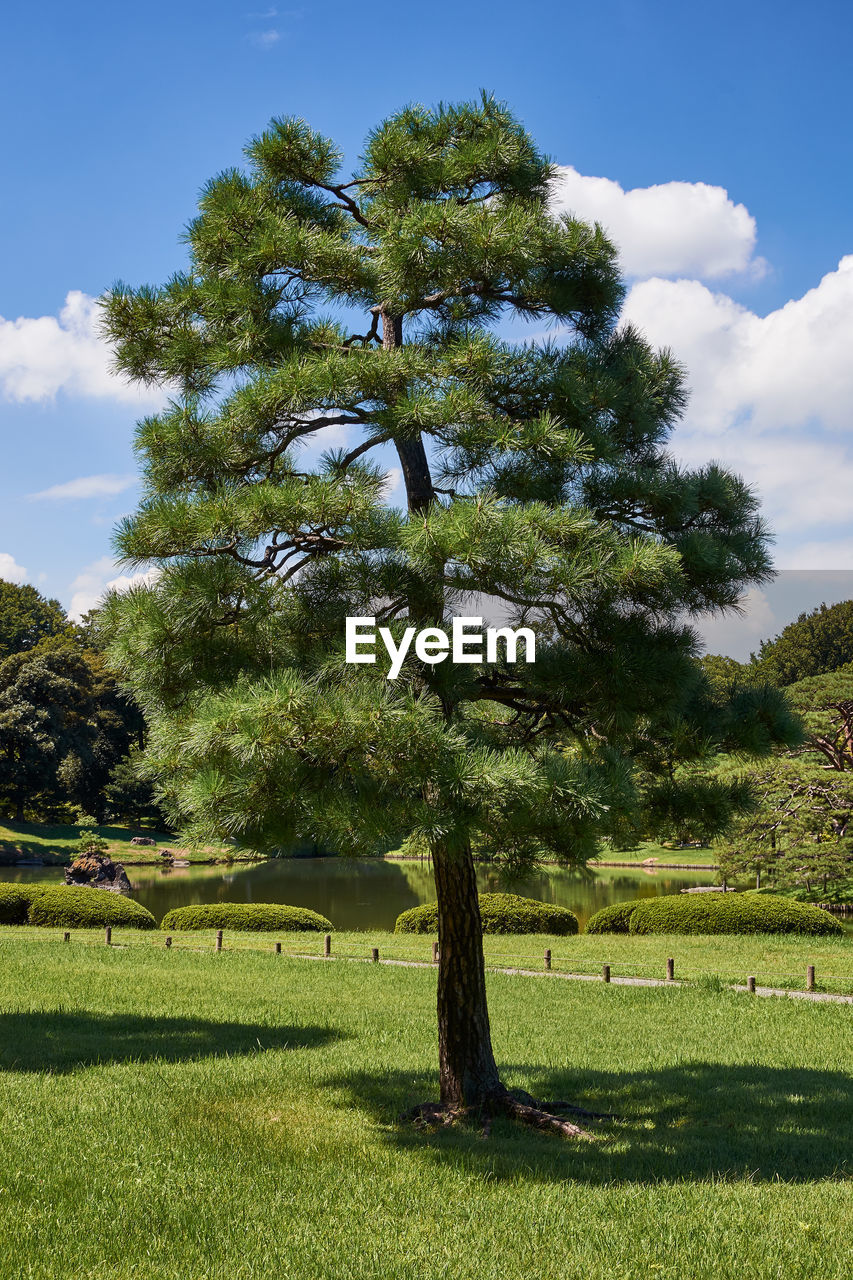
798 834
613 919
67 907
252 917
500 913
15 902
65 726
27 618
730 913
816 644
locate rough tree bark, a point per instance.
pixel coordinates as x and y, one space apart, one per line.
468 1073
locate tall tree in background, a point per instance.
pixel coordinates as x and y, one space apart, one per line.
817 643
318 310
65 725
800 829
45 720
27 618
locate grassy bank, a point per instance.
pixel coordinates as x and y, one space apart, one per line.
57 845
663 854
181 1115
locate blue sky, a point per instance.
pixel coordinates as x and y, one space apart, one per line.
715 142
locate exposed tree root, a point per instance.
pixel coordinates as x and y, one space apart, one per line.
518 1106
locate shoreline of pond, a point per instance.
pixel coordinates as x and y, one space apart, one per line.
260 860
364 893
379 858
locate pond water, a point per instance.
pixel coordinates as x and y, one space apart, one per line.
369 893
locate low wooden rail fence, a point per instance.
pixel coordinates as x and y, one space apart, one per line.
521 964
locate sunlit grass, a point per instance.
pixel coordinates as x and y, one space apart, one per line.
58 842
181 1114
774 960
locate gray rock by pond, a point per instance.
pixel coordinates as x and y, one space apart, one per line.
97 871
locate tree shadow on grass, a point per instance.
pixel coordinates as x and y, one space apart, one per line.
692 1121
59 1041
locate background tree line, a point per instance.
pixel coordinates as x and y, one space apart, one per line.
70 737
799 832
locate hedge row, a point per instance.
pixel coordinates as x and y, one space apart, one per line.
252 917
70 907
613 919
714 913
500 913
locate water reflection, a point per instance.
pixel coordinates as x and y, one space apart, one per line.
369 893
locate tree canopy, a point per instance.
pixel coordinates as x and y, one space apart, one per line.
26 618
331 326
798 832
817 643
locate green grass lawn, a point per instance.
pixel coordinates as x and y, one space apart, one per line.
665 856
58 844
187 1116
774 960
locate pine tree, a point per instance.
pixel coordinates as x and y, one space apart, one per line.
370 308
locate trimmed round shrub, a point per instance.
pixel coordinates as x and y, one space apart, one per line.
15 902
730 913
613 919
500 913
251 917
76 908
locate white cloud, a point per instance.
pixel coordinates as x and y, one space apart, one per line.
742 631
43 355
771 396
9 570
787 369
823 556
672 229
87 487
265 39
90 586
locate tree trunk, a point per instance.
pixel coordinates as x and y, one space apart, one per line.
411 452
468 1073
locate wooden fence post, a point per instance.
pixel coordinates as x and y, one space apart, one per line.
218 939
810 978
548 958
605 973
435 953
670 969
327 945
374 955
278 948
108 935
66 937
750 985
